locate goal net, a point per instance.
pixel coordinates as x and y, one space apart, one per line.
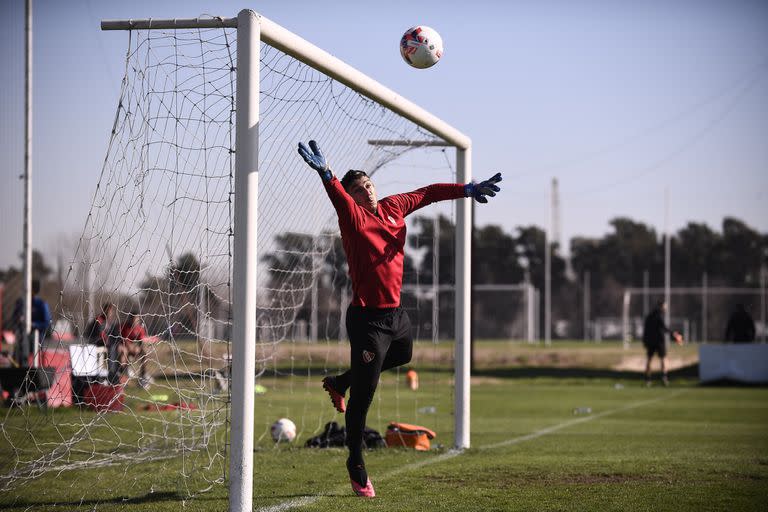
157 251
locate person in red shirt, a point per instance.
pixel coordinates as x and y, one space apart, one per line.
133 334
373 236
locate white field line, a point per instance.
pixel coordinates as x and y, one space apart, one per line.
583 419
309 500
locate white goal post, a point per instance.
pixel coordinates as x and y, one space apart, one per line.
252 29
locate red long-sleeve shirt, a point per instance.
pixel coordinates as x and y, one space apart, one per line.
374 243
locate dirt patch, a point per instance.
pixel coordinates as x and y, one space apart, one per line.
187 355
637 363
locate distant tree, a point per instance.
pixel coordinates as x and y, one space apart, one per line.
622 255
529 248
587 256
616 261
298 261
696 249
421 238
184 279
632 248
40 269
184 274
742 253
495 257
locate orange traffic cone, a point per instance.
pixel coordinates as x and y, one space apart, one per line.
412 378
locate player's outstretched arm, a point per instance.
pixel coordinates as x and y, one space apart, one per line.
485 188
315 159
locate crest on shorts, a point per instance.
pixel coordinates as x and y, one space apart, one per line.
368 356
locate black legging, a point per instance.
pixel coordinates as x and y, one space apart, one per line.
379 339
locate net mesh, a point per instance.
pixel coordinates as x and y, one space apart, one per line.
156 252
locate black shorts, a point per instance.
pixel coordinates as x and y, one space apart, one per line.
656 348
380 339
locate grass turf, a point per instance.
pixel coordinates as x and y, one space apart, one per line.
680 448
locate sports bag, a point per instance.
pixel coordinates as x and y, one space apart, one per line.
335 436
410 436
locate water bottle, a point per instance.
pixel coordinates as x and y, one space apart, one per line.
430 409
582 410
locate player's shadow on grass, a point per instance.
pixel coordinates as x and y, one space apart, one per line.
302 495
520 372
153 497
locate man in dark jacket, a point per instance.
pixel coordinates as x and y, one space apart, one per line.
741 327
655 342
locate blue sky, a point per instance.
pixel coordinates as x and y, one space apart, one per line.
617 99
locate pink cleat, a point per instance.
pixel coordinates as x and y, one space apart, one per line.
365 492
329 384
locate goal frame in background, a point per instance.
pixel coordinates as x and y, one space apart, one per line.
702 291
252 29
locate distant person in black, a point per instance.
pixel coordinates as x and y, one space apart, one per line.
655 341
741 327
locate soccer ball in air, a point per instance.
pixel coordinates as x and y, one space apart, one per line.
421 46
283 430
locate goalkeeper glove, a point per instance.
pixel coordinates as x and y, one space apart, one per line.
485 188
315 160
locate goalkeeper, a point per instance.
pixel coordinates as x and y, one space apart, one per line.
373 236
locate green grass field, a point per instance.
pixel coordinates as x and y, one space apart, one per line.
680 448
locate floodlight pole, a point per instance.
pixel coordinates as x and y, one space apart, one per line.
530 307
667 260
27 251
626 336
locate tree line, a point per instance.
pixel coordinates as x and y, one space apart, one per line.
629 255
305 269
